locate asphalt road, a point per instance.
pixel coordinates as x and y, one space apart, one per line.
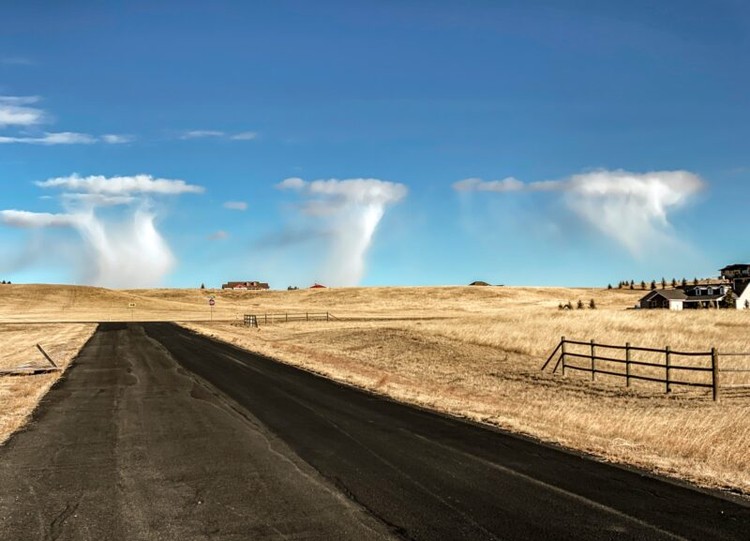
164 434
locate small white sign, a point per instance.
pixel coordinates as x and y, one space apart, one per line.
211 302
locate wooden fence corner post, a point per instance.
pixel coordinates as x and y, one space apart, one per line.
627 364
715 374
593 357
667 362
562 341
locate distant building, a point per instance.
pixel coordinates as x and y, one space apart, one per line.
253 285
732 284
317 286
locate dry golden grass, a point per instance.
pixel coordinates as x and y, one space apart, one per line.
19 395
476 351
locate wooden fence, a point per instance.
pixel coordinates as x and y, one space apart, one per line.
573 353
254 320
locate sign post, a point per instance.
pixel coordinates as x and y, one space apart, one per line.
211 303
131 305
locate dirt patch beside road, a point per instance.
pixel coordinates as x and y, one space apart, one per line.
19 395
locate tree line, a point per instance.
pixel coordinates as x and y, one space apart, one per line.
631 284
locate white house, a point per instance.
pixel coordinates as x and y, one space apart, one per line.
739 276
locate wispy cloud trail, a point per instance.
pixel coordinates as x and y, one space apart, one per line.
350 211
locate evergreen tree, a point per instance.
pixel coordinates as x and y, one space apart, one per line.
643 284
203 286
592 304
609 286
663 283
684 282
674 282
653 285
695 281
631 284
580 304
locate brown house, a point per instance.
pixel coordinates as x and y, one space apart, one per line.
253 285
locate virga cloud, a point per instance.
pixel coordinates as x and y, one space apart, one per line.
632 208
127 251
349 211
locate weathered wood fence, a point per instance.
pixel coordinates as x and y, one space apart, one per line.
587 357
254 320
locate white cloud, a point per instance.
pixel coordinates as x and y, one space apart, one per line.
15 111
508 184
632 208
235 205
137 184
127 251
59 138
117 139
18 112
130 253
66 138
350 210
218 235
27 220
203 134
96 199
293 183
244 136
200 134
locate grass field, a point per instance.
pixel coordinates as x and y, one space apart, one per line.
20 394
476 352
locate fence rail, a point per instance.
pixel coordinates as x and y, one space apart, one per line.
255 319
660 372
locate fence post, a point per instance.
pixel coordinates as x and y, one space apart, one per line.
562 341
668 362
49 359
593 357
715 373
627 364
265 319
286 317
307 316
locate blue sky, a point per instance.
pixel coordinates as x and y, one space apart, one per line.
373 143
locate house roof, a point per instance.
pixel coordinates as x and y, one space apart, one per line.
735 266
669 294
705 298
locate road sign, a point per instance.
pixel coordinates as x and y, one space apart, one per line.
211 302
131 305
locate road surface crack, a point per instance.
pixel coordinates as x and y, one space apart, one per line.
56 526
